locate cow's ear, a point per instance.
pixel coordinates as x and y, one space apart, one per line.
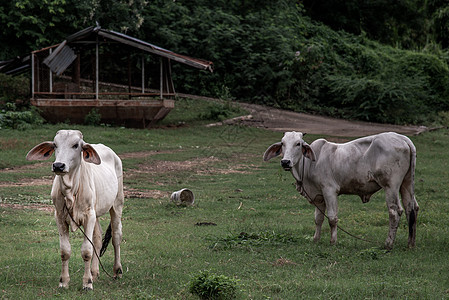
308 152
272 151
90 155
42 151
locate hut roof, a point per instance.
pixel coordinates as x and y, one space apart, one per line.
64 55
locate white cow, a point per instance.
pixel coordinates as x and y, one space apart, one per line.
324 170
88 184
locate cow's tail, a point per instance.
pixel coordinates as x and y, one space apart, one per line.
412 207
106 239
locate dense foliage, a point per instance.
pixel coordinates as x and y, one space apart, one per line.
375 61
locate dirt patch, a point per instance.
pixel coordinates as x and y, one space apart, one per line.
145 153
197 166
283 262
40 207
28 182
48 163
154 194
24 168
283 120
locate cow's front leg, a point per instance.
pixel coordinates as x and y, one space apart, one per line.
87 249
64 246
95 268
331 199
320 208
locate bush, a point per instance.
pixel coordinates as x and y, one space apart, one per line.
219 111
14 119
14 89
211 286
93 118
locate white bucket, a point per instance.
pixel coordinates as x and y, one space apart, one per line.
184 196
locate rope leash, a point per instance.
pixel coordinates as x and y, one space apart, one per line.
90 241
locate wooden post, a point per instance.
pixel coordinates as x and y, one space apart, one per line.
143 75
97 73
129 76
161 85
50 75
76 76
32 75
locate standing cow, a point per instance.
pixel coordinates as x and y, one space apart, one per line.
88 184
324 170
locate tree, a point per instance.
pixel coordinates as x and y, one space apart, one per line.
27 25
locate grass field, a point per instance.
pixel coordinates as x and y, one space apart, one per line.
263 232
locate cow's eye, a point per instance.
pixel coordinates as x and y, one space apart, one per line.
75 146
299 144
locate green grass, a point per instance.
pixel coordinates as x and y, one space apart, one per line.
263 233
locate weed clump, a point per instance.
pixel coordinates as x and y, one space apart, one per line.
255 239
93 118
212 286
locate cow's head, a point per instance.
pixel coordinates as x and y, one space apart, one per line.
68 146
292 147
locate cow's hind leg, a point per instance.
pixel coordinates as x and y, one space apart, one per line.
97 243
411 209
116 226
394 211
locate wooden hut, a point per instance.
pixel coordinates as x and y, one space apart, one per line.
124 80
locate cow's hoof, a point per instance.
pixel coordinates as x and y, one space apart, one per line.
389 244
88 286
118 274
63 285
388 247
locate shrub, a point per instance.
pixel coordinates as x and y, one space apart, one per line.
93 118
14 88
219 111
211 286
12 118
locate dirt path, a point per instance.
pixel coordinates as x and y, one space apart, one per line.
283 120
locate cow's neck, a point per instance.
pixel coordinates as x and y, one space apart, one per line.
70 184
300 173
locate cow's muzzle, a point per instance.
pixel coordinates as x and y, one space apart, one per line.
286 164
58 167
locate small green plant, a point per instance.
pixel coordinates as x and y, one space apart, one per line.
211 286
373 253
93 118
